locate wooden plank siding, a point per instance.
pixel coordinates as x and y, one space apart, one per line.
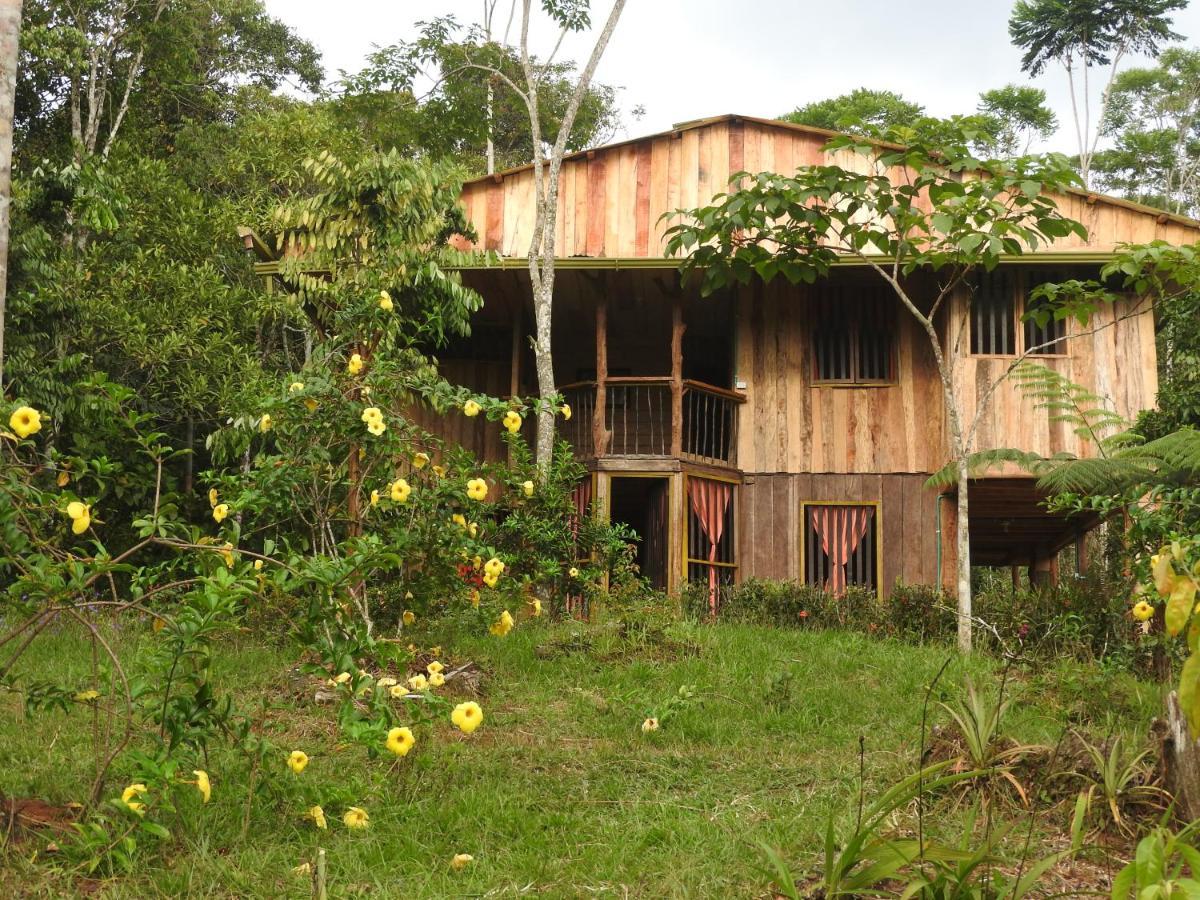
612 198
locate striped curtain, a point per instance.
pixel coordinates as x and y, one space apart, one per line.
710 500
581 499
841 529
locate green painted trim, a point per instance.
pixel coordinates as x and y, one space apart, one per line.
617 263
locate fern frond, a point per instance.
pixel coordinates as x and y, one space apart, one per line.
1177 454
980 462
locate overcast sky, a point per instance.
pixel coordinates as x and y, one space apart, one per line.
686 59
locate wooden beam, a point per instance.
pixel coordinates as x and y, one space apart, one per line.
599 433
677 328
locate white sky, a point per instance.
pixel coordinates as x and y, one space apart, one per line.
686 59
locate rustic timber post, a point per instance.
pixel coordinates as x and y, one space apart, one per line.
599 433
514 370
677 375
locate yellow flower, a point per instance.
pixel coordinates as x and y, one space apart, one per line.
409 617
439 471
129 795
303 870
220 511
420 460
264 424
87 696
203 785
650 724
475 598
374 498
490 580
476 562
366 390
82 523
566 412
467 716
461 860
400 490
377 427
503 625
400 741
471 409
371 414
511 421
310 403
212 497
226 552
573 572
356 817
297 761
342 678
527 487
258 564
473 529
318 816
25 421
385 682
396 691
435 667
437 679
63 479
385 301
1143 611
477 489
418 683
295 387
76 510
494 566
537 607
459 519
435 650
356 364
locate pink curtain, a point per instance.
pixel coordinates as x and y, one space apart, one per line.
841 529
710 500
581 499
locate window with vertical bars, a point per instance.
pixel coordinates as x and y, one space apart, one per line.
1048 339
854 335
994 315
841 545
711 513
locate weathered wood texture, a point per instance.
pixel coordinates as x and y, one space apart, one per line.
771 527
612 198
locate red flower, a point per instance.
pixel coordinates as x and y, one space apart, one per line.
804 613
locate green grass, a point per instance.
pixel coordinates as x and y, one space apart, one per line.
559 793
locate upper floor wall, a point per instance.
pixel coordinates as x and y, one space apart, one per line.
612 199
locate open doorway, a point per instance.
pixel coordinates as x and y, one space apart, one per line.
641 503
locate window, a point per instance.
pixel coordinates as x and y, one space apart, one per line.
993 315
854 335
840 546
997 318
710 537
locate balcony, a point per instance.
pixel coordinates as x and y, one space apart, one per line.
653 416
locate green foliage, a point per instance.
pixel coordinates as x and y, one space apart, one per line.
1120 778
1158 867
878 109
1019 116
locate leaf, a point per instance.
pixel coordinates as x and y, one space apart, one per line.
1189 679
1179 605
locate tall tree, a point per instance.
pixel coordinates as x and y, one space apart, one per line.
1020 116
10 34
1153 119
862 106
1082 34
952 215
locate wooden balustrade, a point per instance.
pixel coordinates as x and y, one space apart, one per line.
638 416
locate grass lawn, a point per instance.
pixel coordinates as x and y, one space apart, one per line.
559 793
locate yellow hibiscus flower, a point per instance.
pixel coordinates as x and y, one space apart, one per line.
356 817
1143 611
477 489
436 680
377 427
650 724
220 511
434 667
318 817
87 696
566 412
400 490
418 683
295 387
397 691
203 785
503 625
385 301
409 617
264 424
129 798
420 460
461 860
82 522
512 421
25 421
459 519
467 716
527 487
494 566
471 409
310 403
212 497
573 572
297 761
439 471
475 597
537 607
374 498
355 365
400 740
490 580
371 414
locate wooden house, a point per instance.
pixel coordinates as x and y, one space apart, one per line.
778 431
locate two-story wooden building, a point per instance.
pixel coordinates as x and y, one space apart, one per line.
778 431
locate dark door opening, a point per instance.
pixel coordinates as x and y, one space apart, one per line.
641 503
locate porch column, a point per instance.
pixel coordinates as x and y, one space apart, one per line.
677 374
599 432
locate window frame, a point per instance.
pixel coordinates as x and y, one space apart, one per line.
1023 285
734 504
802 534
854 323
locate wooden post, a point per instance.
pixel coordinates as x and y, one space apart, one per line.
677 374
599 433
514 381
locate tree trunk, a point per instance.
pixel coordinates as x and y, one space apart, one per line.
10 36
1179 757
962 542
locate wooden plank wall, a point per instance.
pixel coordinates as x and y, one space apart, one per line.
611 199
789 424
481 437
771 508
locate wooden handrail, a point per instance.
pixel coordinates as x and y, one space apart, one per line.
713 389
637 380
576 385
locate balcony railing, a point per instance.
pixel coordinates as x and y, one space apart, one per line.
653 417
